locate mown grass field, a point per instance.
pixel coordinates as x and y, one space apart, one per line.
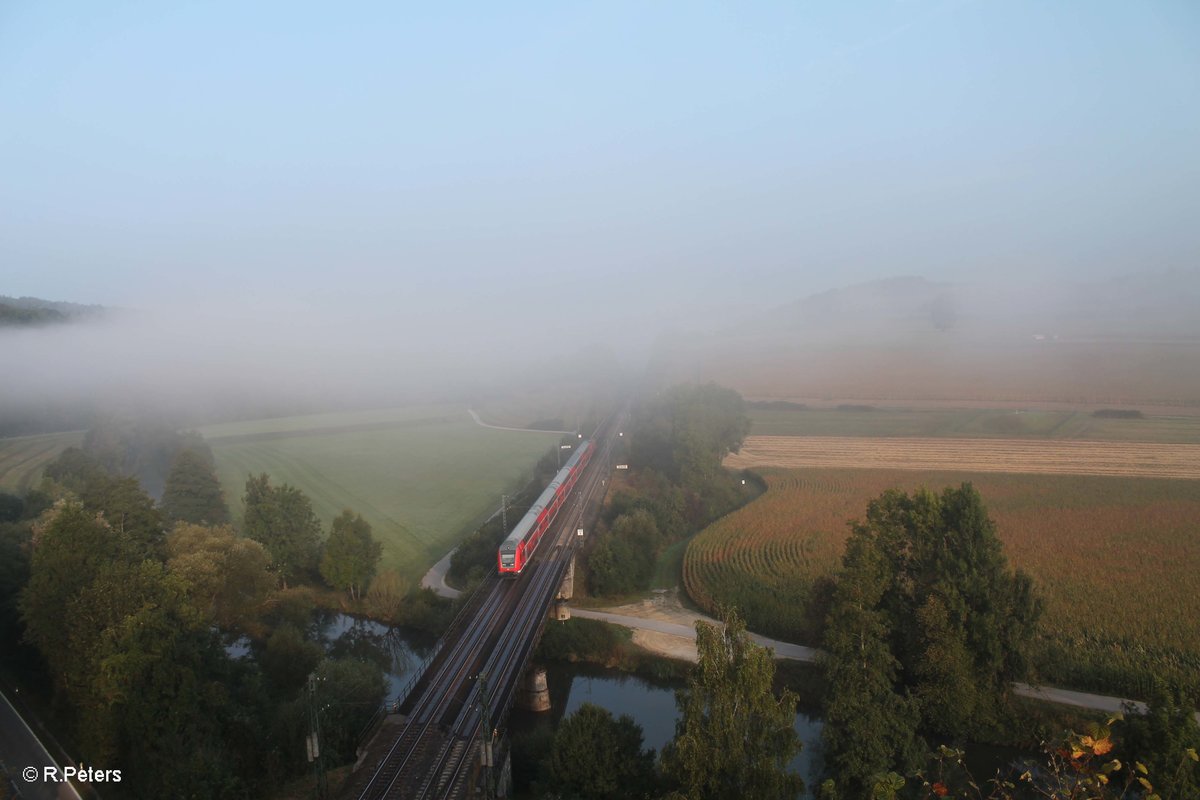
973 423
23 458
1116 559
420 476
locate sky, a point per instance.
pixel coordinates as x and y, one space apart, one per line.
495 166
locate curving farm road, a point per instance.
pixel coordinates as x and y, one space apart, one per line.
796 652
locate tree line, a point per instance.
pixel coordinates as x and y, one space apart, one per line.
676 485
126 606
926 629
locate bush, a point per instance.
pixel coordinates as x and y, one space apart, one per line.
582 640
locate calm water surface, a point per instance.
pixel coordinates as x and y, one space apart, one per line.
399 652
651 703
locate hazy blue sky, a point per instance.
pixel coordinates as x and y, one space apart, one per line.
433 157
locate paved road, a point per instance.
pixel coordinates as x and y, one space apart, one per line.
436 578
20 749
796 652
480 422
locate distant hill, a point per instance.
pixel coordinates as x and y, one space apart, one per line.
1116 342
32 311
1149 305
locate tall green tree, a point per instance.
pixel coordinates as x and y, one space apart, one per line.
192 492
945 546
121 500
869 726
351 554
228 577
927 628
128 510
687 430
596 757
282 519
164 681
734 738
71 546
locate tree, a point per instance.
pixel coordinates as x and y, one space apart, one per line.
596 757
124 505
623 560
165 683
688 430
386 595
128 510
869 727
1166 739
288 658
73 469
228 577
282 519
734 738
192 492
942 313
927 629
70 547
349 691
351 554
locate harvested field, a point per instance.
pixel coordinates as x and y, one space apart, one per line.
849 419
1132 459
23 458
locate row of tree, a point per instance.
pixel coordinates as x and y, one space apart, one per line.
124 603
677 441
926 632
927 629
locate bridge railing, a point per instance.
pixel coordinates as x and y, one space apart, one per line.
465 613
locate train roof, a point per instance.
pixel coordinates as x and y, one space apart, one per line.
578 454
521 530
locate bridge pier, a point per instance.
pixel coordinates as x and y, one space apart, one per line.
534 693
560 611
567 589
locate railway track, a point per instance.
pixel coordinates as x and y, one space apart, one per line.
435 754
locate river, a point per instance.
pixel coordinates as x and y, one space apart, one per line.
650 702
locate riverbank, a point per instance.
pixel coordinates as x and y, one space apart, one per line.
662 625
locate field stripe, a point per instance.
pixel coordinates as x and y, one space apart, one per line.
1133 459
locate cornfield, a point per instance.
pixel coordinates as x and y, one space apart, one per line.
1117 561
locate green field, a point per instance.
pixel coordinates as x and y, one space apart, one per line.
421 476
23 458
956 422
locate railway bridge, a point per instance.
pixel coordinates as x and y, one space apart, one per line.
444 738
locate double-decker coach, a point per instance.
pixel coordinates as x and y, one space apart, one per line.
518 547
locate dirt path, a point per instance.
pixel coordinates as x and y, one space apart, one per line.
483 424
436 578
661 625
1134 459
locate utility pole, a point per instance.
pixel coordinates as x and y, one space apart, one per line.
486 740
313 741
504 512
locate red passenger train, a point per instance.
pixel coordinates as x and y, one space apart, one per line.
518 547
